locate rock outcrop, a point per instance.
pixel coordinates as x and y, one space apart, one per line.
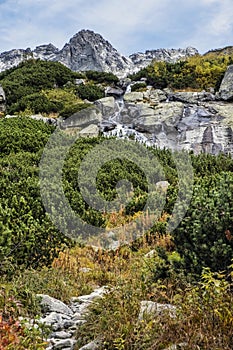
46 52
193 121
87 50
89 116
150 308
191 97
107 106
13 57
2 101
113 91
91 130
226 88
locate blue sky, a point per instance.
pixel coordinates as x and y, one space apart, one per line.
130 25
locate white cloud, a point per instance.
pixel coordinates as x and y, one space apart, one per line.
129 25
43 21
215 29
209 2
121 20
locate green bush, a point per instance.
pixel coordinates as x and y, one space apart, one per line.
138 87
65 101
18 135
27 237
31 77
49 87
90 92
102 77
204 237
37 102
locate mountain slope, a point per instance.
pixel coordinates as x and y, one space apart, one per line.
228 50
142 60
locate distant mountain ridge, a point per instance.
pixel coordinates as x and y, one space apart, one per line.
228 50
168 55
88 50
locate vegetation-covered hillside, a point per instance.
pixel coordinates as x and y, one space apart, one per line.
22 141
37 86
190 267
195 73
30 245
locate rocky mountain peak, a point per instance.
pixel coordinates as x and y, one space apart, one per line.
46 48
88 50
85 36
46 52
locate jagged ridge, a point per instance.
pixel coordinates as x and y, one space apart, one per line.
87 50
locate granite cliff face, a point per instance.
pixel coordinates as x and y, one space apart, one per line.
226 88
193 121
204 127
87 50
13 57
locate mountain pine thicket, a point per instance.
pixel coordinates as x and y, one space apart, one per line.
196 73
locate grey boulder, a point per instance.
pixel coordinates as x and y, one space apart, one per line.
91 346
192 97
150 308
133 96
113 91
50 304
106 106
83 118
226 87
154 95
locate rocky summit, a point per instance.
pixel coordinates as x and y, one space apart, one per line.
88 50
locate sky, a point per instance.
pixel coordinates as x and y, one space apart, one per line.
129 25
